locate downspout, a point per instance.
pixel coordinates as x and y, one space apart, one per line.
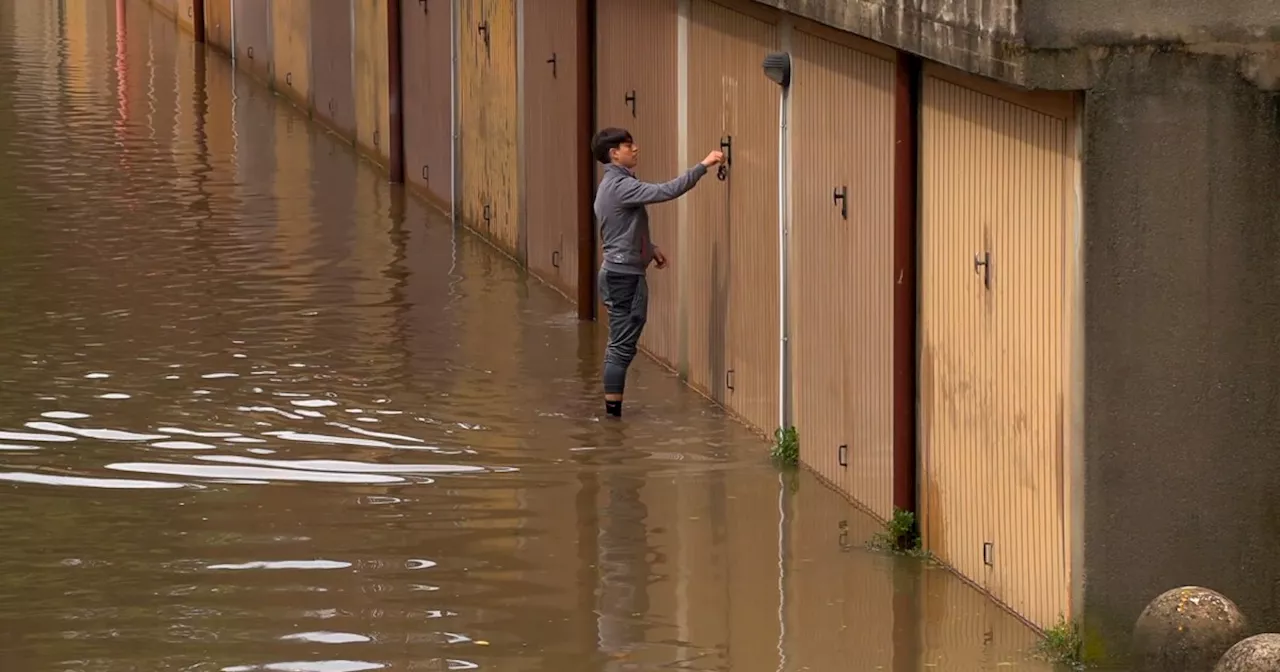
784 272
586 164
197 20
777 67
395 134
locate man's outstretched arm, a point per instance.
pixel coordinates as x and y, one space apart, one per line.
633 192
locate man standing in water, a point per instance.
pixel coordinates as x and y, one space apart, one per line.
628 249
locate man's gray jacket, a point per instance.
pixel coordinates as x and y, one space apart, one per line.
624 222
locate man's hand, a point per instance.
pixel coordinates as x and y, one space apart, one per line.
713 158
659 259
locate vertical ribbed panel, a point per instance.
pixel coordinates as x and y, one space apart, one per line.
217 23
552 147
991 367
427 95
637 52
372 106
733 225
186 15
841 285
252 26
291 31
333 34
488 121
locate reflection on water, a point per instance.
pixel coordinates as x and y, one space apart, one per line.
258 411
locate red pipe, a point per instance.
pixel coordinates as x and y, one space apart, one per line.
197 19
906 172
395 134
586 165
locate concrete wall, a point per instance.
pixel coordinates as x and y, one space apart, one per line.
979 36
1057 24
1182 379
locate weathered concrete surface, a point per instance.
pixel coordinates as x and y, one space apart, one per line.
1186 629
1057 44
1063 24
980 36
1182 334
1260 653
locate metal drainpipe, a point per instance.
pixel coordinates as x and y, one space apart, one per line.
395 134
586 165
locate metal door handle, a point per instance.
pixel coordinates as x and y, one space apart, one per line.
982 265
726 146
631 100
841 195
483 29
555 259
728 379
552 61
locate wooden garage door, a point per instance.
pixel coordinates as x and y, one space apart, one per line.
841 284
996 173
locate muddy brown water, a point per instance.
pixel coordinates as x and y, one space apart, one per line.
261 411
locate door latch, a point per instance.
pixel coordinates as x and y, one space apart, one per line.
726 146
483 29
982 265
841 195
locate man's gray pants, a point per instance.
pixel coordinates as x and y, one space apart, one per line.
626 297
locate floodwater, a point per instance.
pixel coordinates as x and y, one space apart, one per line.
260 411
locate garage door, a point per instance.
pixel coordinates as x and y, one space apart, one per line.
997 172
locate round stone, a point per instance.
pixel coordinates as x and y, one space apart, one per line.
1186 629
1259 653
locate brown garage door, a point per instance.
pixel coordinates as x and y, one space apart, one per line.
731 265
333 34
997 171
428 98
552 148
253 37
636 90
488 121
291 42
841 285
217 23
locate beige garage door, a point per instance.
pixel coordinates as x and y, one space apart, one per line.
636 89
731 266
997 171
841 264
